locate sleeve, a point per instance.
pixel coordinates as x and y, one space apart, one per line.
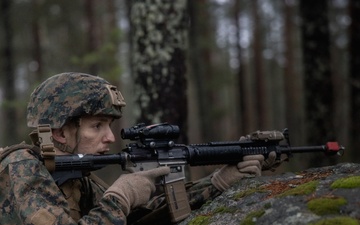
201 191
38 200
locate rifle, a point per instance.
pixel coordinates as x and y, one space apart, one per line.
155 146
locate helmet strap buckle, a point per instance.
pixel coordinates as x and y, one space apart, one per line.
46 146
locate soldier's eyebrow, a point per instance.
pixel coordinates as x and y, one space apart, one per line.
104 118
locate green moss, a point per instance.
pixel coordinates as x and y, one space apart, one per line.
303 189
324 206
244 194
204 219
224 209
248 192
340 220
267 205
249 219
200 220
348 182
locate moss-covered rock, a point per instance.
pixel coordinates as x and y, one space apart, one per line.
251 218
303 189
248 192
326 205
347 182
341 220
317 196
223 209
200 220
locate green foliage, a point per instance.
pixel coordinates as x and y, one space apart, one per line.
348 182
304 189
251 217
200 220
340 220
324 206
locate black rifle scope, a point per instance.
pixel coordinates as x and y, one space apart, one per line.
163 131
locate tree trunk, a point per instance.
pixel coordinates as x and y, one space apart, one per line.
91 32
261 98
354 47
10 120
37 54
158 61
317 74
200 41
294 107
246 106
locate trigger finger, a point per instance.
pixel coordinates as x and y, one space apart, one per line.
271 158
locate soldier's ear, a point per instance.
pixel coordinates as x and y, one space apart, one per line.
58 135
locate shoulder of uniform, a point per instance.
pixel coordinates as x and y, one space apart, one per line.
17 153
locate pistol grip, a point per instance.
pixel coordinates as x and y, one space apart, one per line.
177 200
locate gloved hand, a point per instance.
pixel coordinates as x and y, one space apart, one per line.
268 164
135 189
229 174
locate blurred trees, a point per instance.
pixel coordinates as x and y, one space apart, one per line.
245 65
318 86
293 82
201 43
8 70
354 78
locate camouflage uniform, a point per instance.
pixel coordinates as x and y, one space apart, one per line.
29 195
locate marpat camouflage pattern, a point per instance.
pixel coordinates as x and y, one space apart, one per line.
70 95
29 195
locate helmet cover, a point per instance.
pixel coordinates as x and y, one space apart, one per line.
67 95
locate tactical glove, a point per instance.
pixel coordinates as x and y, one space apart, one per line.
134 189
229 174
270 163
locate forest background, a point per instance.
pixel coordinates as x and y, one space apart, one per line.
217 68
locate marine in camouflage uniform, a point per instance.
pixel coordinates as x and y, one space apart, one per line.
29 195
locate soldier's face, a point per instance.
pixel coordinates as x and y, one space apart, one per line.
93 136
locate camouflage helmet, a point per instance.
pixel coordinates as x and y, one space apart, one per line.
67 95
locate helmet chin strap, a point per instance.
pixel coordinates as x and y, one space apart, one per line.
63 147
66 148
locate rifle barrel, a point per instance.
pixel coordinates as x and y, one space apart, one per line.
330 148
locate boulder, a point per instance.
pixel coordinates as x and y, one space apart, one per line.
325 195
